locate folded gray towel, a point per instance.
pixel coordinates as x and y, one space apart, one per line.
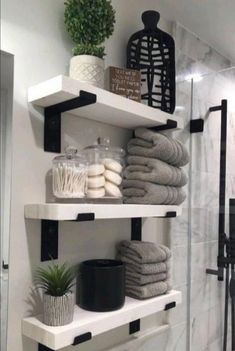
155 171
143 279
146 268
143 251
158 145
141 192
147 291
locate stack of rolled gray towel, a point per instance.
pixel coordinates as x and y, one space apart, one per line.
147 268
153 174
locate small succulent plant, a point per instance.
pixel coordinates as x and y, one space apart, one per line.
55 280
89 23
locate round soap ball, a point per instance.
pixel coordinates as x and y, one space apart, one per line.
96 182
113 177
95 170
95 193
112 165
112 190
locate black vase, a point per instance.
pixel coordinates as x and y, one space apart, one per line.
101 285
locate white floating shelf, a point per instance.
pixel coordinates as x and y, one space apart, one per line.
109 108
95 322
69 212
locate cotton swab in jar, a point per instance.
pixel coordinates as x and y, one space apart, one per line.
69 181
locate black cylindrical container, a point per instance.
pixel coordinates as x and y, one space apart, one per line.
101 285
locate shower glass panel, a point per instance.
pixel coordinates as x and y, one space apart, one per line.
5 185
207 293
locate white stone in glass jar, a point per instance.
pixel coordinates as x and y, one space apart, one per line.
110 160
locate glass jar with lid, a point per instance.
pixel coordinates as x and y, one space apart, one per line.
105 169
69 174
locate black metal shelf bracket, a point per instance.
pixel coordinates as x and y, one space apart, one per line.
77 340
136 234
85 217
170 124
50 236
196 125
170 306
49 240
43 348
170 214
82 338
52 124
136 229
134 326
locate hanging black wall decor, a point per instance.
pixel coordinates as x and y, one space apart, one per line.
152 52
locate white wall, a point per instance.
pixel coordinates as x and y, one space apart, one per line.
6 102
7 73
33 31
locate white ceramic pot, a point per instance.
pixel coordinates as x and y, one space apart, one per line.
88 69
58 310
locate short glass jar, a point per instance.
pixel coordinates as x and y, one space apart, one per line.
105 170
69 174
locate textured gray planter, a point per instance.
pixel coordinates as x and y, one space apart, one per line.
58 310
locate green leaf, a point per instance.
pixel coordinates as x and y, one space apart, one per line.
89 21
55 280
89 49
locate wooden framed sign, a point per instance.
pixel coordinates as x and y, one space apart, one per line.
124 82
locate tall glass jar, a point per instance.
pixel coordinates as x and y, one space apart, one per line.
105 169
69 173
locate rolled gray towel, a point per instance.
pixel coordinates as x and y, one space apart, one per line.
141 192
158 145
147 291
146 268
155 171
143 251
143 279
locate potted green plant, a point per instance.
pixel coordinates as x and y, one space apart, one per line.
89 23
56 281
